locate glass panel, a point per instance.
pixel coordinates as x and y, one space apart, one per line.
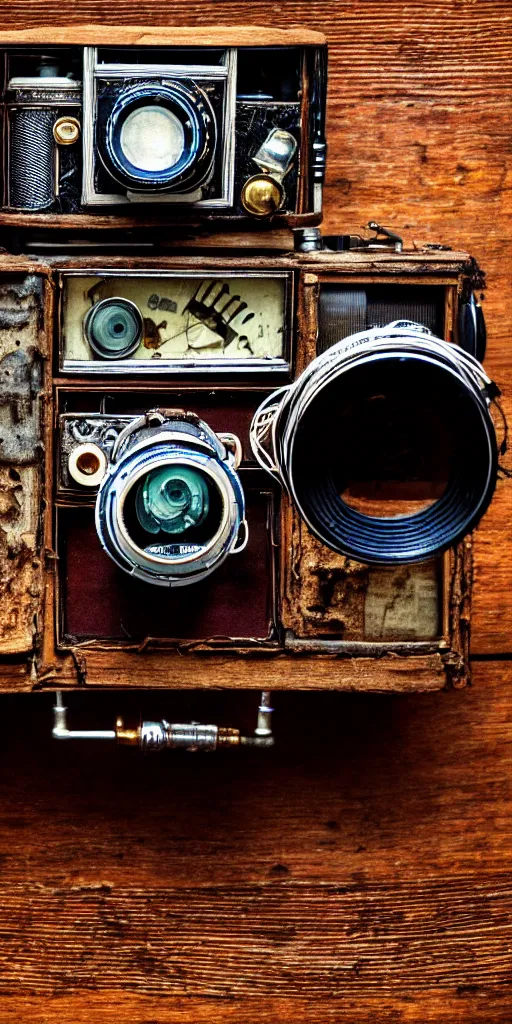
184 318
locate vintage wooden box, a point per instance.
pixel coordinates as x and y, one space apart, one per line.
291 613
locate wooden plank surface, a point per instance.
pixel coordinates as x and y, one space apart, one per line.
359 871
398 672
276 671
162 35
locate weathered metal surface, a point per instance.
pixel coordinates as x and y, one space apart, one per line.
21 459
326 594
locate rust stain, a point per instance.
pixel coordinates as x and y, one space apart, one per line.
152 337
324 593
20 461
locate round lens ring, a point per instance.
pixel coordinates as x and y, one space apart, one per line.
113 328
170 509
304 435
87 465
406 535
66 131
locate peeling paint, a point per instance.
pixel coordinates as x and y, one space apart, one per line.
20 568
324 593
21 452
327 595
20 428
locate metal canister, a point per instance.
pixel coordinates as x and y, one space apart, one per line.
35 105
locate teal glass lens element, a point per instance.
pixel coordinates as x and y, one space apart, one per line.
113 328
172 499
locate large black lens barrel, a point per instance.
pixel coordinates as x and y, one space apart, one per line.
396 410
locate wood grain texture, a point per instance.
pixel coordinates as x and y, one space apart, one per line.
133 35
322 940
365 877
275 671
120 1008
395 811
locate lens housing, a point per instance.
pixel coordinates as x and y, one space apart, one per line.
296 435
174 128
114 328
129 529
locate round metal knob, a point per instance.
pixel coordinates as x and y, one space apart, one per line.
262 195
66 131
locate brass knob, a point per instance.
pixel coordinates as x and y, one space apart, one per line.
262 195
66 130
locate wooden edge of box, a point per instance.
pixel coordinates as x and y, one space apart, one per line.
165 35
276 671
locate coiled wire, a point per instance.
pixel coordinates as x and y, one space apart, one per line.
32 159
288 440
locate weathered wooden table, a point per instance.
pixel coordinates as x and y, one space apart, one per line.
359 872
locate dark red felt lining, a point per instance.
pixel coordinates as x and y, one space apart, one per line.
98 600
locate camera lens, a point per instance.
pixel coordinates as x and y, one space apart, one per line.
87 465
172 499
160 138
113 328
171 507
385 444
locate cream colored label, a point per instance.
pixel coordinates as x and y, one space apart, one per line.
403 603
185 317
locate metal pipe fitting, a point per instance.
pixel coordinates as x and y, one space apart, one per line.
163 735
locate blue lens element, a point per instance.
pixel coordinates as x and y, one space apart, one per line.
172 499
171 507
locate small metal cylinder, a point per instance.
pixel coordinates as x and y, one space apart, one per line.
264 724
187 736
308 240
35 104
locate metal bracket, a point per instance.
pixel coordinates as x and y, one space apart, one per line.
312 240
382 239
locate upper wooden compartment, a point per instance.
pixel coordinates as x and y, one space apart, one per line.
254 154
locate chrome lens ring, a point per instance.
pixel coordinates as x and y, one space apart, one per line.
292 430
113 328
189 562
186 112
